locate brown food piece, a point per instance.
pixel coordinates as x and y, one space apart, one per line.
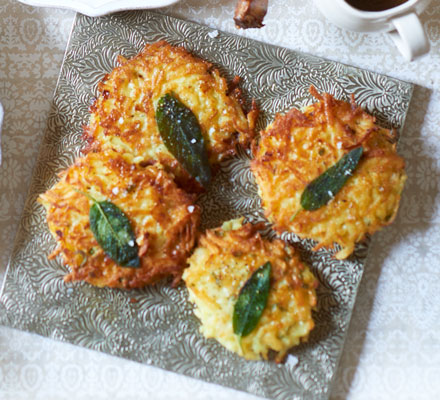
250 13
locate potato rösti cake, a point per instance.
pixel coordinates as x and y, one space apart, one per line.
219 268
123 116
300 147
84 215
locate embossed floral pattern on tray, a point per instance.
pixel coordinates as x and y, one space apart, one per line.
159 328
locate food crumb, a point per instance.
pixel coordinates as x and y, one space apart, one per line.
213 34
291 360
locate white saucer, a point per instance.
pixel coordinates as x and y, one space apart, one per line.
96 8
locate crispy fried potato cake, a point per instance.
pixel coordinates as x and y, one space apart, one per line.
163 217
123 116
299 146
224 260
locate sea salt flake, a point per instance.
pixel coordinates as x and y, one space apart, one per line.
193 141
213 34
339 145
131 243
291 360
330 193
115 190
191 209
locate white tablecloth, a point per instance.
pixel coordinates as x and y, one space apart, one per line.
393 346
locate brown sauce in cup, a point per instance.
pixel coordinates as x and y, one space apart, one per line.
375 5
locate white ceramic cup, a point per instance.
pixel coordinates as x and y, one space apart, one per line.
401 21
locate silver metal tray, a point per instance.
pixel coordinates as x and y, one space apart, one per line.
159 328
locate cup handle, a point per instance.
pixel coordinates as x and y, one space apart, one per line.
410 37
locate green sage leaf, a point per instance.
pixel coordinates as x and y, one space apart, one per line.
181 133
251 301
322 189
113 232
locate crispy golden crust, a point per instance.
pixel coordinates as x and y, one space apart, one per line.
123 116
299 146
223 261
163 217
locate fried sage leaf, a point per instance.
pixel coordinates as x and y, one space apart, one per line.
322 189
181 133
251 301
113 232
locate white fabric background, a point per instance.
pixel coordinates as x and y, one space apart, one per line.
393 347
